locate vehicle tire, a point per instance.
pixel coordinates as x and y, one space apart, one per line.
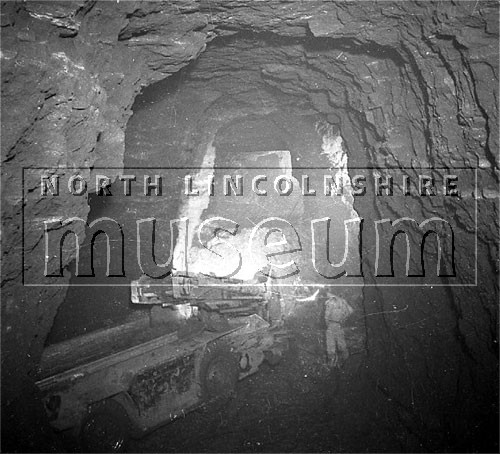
219 372
105 429
272 358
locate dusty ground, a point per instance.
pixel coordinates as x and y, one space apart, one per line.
300 405
296 406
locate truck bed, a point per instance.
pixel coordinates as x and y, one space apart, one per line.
79 350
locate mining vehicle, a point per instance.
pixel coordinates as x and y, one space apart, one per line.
189 350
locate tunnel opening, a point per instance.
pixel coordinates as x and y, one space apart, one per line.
405 91
246 108
250 93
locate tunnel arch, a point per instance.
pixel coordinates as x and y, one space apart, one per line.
439 132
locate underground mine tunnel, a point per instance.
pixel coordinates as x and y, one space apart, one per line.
249 226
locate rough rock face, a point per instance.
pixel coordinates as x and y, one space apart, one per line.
408 83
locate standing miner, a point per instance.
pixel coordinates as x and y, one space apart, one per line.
337 310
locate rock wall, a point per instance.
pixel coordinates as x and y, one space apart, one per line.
408 83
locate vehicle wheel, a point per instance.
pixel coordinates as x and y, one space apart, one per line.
219 371
105 429
273 358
